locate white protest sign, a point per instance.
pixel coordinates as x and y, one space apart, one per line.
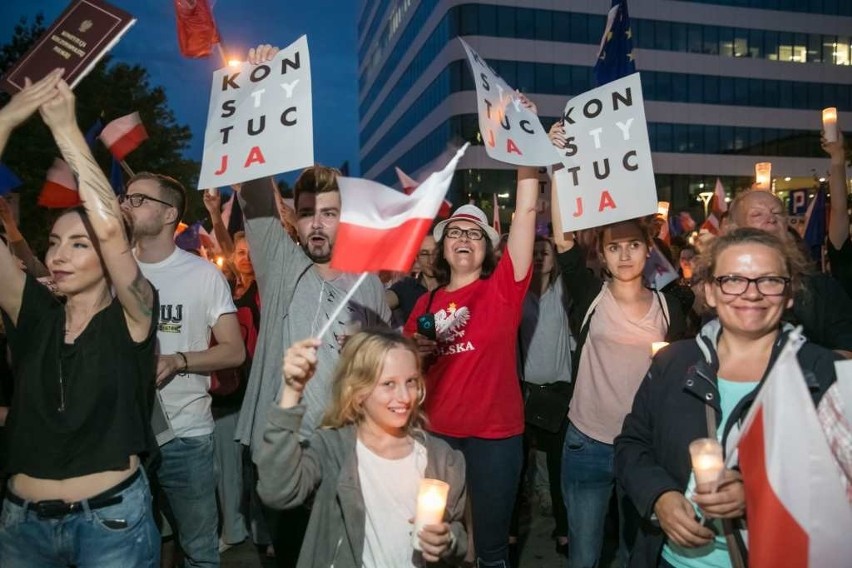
260 121
511 132
608 176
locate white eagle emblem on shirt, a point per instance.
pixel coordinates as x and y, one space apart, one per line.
449 323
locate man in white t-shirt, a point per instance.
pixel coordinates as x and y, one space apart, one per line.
194 301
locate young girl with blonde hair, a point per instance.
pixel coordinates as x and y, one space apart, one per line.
364 465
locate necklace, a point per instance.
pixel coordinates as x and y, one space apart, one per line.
85 321
62 345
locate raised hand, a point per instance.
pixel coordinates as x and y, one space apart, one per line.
836 149
262 53
59 111
557 134
213 203
24 103
300 364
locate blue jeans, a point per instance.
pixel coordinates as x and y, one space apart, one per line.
187 477
493 470
123 535
587 484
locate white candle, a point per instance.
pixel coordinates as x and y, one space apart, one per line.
663 208
763 175
707 461
829 123
431 502
656 346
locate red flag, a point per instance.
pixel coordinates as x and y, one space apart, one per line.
123 135
196 29
409 185
380 228
60 187
798 514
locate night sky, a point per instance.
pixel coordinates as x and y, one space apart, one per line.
152 42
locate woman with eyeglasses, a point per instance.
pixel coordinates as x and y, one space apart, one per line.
473 396
703 388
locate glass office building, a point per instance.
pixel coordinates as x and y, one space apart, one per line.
727 83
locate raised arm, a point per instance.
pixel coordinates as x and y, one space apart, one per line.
213 204
838 226
14 113
522 231
132 289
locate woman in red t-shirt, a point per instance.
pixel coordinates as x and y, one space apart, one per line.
473 397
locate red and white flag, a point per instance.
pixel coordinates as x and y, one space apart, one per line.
381 228
718 206
798 515
409 185
60 187
123 135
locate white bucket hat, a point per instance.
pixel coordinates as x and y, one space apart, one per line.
470 213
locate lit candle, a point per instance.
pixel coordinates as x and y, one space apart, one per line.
220 261
829 123
763 175
431 501
663 208
656 346
707 461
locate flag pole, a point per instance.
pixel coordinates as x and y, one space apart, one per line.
126 168
341 305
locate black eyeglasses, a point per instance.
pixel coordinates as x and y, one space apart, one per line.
766 285
137 199
472 234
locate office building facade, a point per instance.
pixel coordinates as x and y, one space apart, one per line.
727 83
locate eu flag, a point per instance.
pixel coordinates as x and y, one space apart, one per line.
815 229
8 180
615 59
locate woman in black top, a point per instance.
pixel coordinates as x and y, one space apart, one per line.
84 372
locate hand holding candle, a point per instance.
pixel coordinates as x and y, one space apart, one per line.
829 124
707 462
431 502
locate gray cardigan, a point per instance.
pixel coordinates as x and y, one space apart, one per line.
327 467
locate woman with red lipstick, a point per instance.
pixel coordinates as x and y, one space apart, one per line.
84 375
364 465
704 388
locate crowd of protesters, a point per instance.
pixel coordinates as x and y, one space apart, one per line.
146 392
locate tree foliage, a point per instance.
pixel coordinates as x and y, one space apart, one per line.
111 90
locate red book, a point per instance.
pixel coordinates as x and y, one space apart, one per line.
76 41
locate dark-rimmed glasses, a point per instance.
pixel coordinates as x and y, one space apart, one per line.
137 199
472 234
766 285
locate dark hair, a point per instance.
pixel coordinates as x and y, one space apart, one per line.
796 264
316 179
442 267
641 224
172 190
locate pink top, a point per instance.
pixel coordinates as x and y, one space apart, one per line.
615 359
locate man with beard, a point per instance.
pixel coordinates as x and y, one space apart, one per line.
194 301
299 291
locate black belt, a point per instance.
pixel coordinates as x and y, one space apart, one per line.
55 508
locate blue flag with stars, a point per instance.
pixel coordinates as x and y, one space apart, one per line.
615 59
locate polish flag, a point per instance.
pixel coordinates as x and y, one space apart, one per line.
718 206
60 187
381 228
123 135
798 515
408 185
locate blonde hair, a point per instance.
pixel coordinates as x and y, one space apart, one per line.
358 372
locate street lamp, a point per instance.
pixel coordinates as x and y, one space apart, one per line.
705 197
